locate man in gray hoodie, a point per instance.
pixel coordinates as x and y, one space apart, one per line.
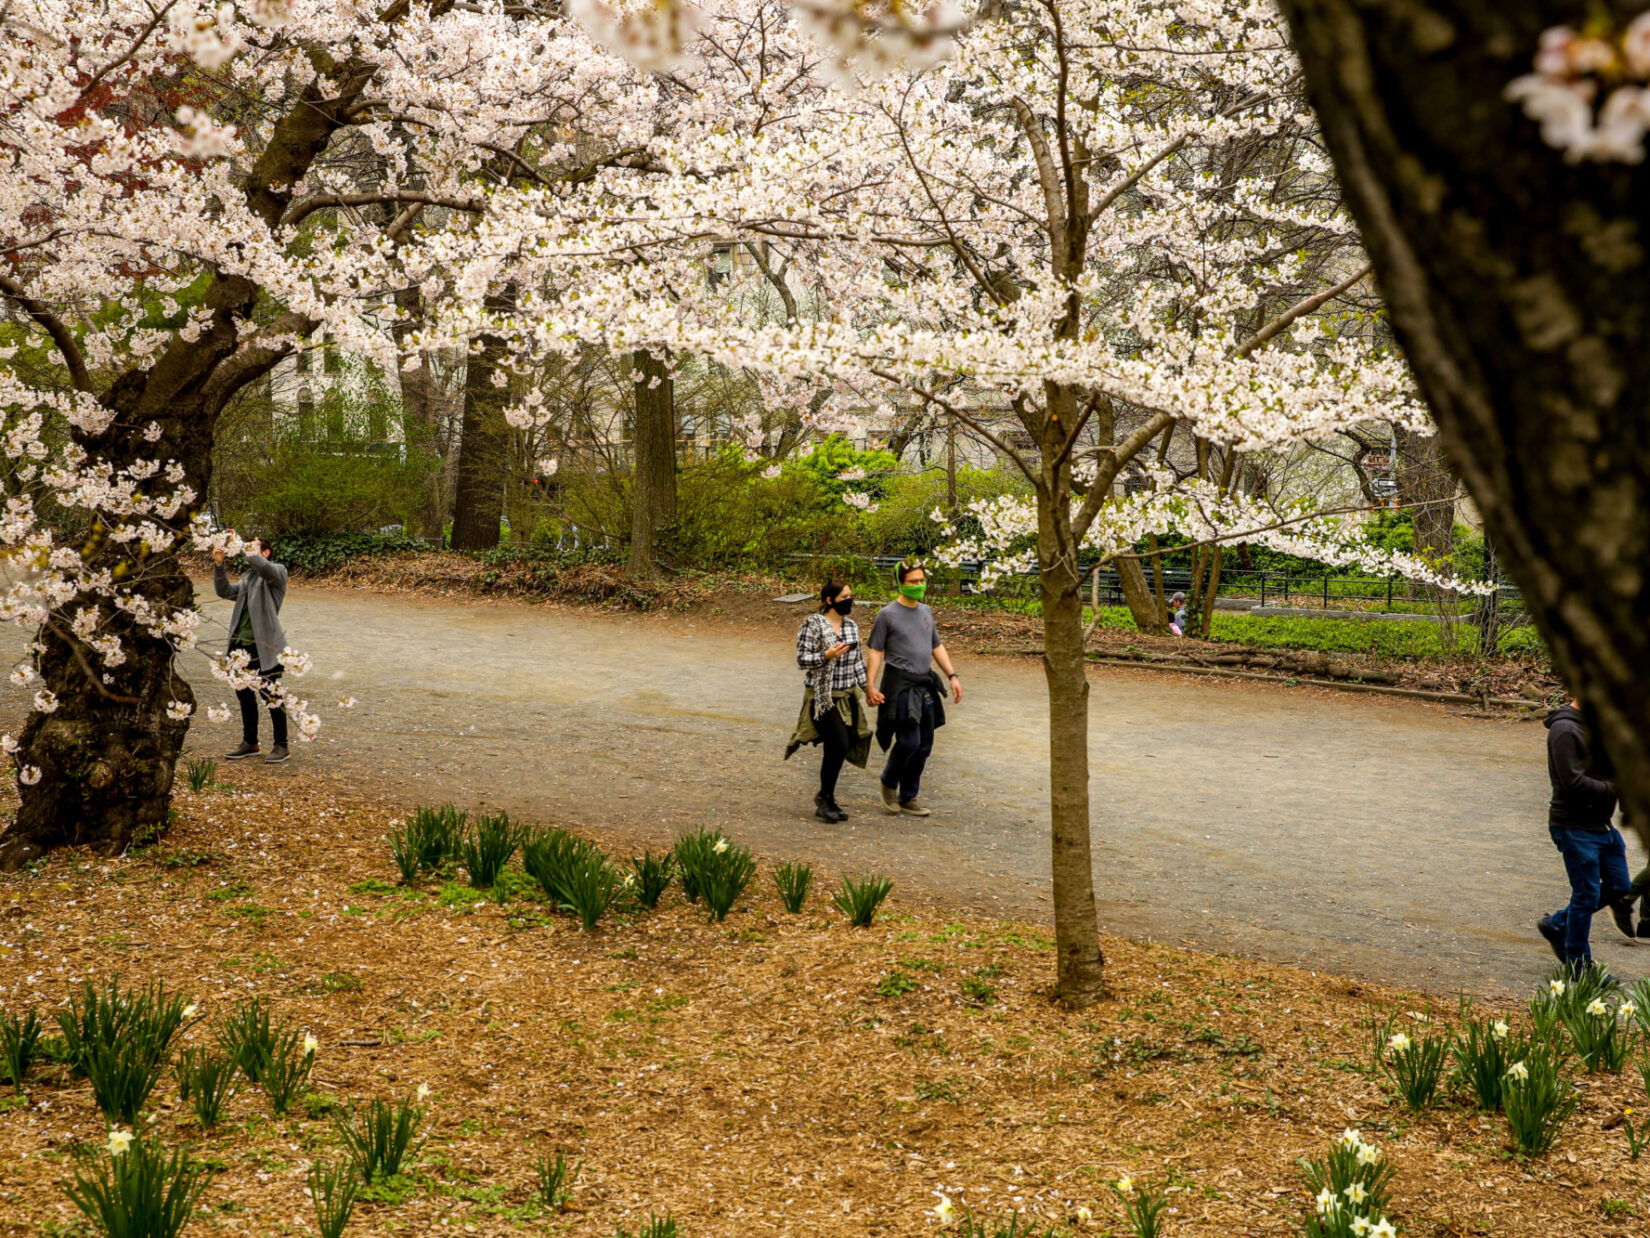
255 626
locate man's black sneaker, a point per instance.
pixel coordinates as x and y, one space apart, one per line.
1621 911
1555 939
277 754
245 750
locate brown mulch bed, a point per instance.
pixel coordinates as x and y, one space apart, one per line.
761 1076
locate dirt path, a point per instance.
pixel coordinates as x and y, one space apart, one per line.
1375 838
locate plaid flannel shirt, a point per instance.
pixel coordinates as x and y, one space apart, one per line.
838 674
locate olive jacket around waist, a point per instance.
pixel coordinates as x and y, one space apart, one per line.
853 707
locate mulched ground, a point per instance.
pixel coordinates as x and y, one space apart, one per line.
747 1077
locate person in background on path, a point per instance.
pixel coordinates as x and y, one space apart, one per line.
1579 820
836 713
904 645
1177 614
255 626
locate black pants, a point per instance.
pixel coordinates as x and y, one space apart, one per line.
248 698
834 739
913 742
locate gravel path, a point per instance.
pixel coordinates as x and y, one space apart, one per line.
1356 835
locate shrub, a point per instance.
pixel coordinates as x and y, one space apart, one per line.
724 876
793 880
380 1136
653 873
206 1081
123 1075
556 1176
1537 1102
135 1190
487 847
1351 1189
1483 1051
285 1071
246 1038
1416 1066
858 899
332 1189
19 1042
202 773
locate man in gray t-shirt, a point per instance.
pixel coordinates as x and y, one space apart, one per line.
905 637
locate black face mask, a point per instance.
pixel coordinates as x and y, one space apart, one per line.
844 606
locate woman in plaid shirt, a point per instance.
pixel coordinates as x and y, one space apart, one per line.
835 711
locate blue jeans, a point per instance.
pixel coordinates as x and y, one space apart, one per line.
1596 863
913 741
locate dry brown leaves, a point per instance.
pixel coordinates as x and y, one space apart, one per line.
747 1077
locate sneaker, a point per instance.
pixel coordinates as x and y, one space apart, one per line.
913 808
825 810
1555 939
277 754
1621 911
837 809
245 750
890 798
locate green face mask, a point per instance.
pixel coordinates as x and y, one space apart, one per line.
914 592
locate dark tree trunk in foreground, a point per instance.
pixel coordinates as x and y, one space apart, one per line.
108 753
653 497
483 446
1519 286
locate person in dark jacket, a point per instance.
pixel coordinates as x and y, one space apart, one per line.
834 705
1579 819
910 699
255 628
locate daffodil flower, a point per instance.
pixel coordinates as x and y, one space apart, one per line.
119 1141
721 846
1361 1227
1499 1029
1597 1008
1383 1229
1368 1154
1556 988
1356 1193
1519 1072
1398 1043
943 1210
1125 1184
423 1092
191 1010
1328 1201
310 1045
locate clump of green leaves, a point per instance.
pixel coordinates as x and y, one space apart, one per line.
653 874
1484 1048
137 1190
1351 1189
723 875
121 1042
19 1043
436 833
407 852
556 1176
1416 1065
896 984
1538 1101
246 1038
333 1189
202 773
551 856
285 1071
1143 1207
380 1136
1600 1034
487 847
1015 1227
206 1081
693 849
793 880
859 897
588 889
653 1227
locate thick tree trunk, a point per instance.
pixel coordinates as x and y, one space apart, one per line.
418 417
1426 486
653 495
1519 287
484 445
1149 615
1081 967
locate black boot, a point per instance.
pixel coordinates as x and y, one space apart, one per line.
837 809
822 808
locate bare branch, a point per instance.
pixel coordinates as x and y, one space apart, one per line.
1296 311
131 51
299 210
54 327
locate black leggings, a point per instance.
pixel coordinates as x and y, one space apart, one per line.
833 737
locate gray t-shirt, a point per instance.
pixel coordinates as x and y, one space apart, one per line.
907 636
